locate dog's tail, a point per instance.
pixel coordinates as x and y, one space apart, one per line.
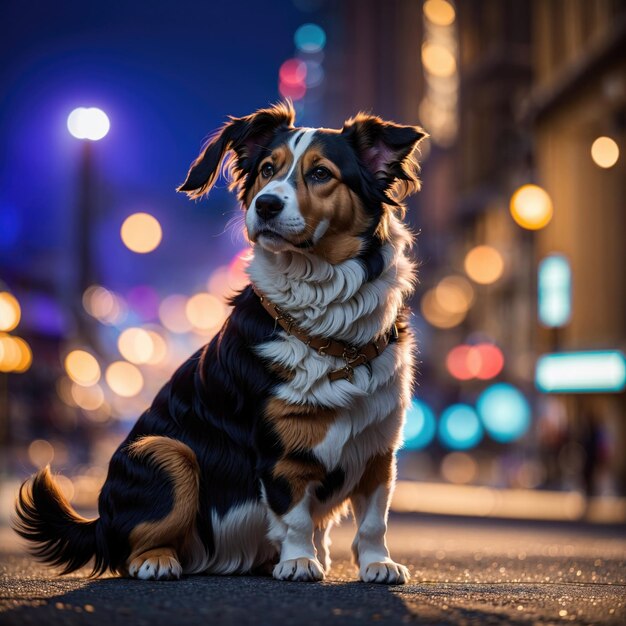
60 536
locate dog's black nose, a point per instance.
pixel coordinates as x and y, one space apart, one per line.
268 205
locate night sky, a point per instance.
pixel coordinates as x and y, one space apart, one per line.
167 74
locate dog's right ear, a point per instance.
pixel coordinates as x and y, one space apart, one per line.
244 137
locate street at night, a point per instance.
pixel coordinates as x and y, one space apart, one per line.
463 572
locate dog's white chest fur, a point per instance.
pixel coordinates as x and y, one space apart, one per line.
337 301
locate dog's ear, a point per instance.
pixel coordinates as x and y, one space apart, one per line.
387 151
244 137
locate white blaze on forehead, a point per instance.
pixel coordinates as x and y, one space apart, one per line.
298 145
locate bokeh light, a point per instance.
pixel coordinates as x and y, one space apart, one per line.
10 311
482 361
293 72
437 316
141 233
205 311
457 362
88 123
310 38
438 60
295 91
136 345
439 12
159 347
454 294
420 425
88 398
124 379
314 73
531 207
484 265
172 313
106 306
604 152
40 453
554 291
459 468
593 370
15 354
459 427
491 360
504 411
82 367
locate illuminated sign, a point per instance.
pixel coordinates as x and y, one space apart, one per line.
601 370
554 291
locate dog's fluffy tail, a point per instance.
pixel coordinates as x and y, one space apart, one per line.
60 536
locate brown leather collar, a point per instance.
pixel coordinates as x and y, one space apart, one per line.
352 355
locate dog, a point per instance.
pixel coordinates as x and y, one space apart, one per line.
261 440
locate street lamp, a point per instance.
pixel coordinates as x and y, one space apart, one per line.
88 124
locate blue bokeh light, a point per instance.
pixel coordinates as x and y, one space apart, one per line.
310 38
459 427
420 426
504 411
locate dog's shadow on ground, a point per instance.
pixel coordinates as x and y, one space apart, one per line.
209 600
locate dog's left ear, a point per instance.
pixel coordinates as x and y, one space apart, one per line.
387 150
244 137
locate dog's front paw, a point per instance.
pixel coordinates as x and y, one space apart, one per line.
385 572
303 570
155 566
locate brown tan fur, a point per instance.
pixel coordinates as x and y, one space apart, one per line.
281 158
299 474
335 201
173 532
299 426
379 470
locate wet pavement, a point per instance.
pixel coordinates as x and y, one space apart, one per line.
463 572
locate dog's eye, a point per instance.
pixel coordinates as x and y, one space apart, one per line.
267 171
320 174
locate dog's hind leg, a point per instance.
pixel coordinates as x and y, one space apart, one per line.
321 540
156 547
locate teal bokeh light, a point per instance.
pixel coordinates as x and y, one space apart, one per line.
310 38
459 427
505 412
581 372
554 291
420 426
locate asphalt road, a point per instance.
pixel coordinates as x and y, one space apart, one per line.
463 572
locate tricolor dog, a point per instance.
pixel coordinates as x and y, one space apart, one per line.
261 440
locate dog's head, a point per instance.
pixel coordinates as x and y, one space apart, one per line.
324 191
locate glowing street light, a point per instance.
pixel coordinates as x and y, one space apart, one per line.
88 123
531 207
